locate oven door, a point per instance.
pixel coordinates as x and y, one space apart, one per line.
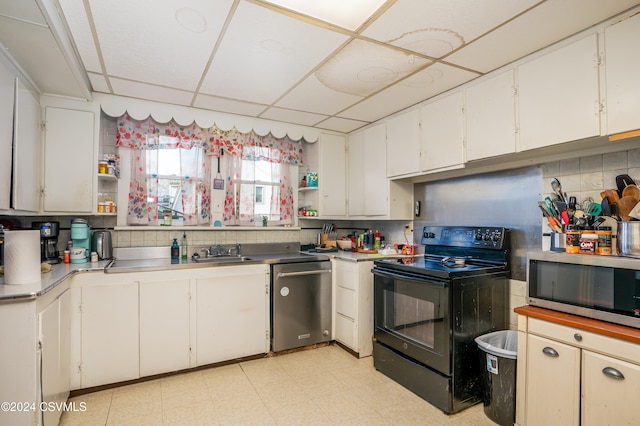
412 316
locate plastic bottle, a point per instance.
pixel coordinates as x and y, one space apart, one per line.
183 248
175 251
376 243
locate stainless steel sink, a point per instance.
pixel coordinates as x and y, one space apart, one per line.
221 259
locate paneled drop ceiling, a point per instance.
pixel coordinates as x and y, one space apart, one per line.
338 65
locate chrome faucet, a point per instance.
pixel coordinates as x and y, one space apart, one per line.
231 249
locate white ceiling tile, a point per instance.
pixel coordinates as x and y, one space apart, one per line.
349 14
419 87
437 27
264 53
524 35
363 68
149 44
291 116
150 92
314 96
78 23
228 105
338 124
98 82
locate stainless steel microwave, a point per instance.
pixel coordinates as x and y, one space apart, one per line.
606 288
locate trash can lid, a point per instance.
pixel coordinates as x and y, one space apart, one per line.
502 343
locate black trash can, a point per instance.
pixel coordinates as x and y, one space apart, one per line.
498 356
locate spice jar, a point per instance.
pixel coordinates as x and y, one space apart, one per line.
604 241
103 167
588 241
573 239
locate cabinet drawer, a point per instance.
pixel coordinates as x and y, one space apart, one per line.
586 340
346 302
346 331
346 275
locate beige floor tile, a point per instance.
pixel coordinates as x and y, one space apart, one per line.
302 413
187 390
342 405
93 409
282 394
370 419
142 398
195 414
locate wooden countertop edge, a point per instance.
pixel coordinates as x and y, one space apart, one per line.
621 332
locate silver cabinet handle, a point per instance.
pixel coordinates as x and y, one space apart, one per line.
613 373
550 351
578 337
297 274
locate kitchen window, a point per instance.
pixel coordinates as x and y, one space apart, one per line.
171 171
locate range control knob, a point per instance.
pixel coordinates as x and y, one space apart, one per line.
478 236
487 237
496 237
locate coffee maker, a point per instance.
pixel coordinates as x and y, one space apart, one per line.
81 238
48 241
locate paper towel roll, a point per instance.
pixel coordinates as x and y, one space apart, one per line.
21 256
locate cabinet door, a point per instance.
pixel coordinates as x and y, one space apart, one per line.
441 132
622 62
109 333
490 117
368 185
609 390
552 383
68 180
332 176
164 326
27 151
7 92
355 170
403 144
558 95
232 317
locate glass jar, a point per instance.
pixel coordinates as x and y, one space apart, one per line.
573 239
604 240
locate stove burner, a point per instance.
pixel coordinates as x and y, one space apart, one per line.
454 262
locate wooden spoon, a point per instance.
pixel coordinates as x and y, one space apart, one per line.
611 195
625 205
631 191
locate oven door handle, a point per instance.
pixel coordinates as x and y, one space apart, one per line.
410 277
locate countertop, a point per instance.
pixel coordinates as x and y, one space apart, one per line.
59 272
621 332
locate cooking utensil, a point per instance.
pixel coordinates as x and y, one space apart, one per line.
557 188
635 211
606 210
561 208
628 239
622 181
625 205
631 191
611 195
590 207
218 181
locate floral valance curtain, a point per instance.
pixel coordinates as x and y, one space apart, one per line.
145 134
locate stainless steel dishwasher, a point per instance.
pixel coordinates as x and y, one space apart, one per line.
300 304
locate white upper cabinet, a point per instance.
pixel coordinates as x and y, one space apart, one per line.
622 62
441 131
27 163
70 162
403 144
490 110
368 184
558 95
332 175
7 91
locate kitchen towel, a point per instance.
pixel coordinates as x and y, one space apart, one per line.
21 256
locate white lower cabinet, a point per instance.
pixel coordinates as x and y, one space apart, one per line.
54 346
568 376
165 343
353 287
109 330
232 320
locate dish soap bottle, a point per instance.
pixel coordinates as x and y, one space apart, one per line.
183 248
175 251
